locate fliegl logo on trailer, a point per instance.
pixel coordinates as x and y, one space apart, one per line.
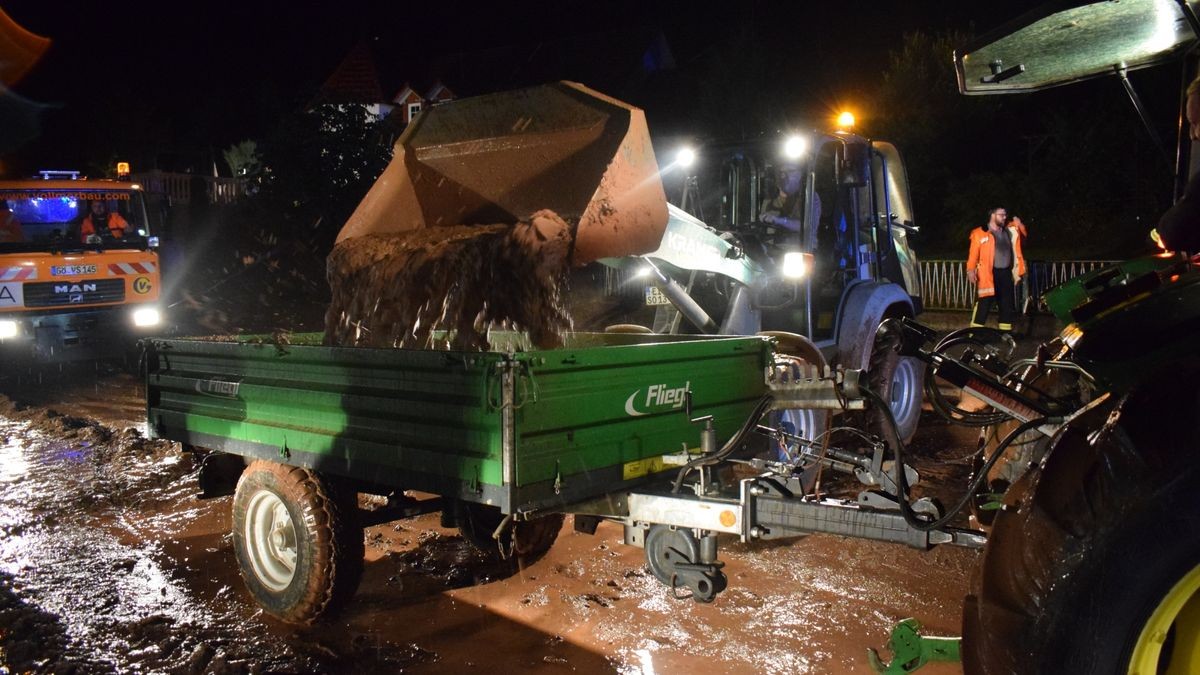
657 398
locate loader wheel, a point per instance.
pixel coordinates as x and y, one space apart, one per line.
525 541
898 380
804 422
297 541
1093 565
808 424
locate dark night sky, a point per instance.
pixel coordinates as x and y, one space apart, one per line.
168 80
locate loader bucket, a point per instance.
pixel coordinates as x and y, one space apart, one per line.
499 158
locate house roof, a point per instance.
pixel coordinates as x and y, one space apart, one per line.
439 91
405 93
355 80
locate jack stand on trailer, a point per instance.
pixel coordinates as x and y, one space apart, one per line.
910 650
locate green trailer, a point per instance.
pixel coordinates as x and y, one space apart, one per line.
639 429
523 432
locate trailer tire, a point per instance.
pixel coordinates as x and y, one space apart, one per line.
897 379
1093 565
524 542
297 540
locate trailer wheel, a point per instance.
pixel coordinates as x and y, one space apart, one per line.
297 541
1093 565
900 380
525 541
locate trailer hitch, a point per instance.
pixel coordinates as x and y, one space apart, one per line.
704 580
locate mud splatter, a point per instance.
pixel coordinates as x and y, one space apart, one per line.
446 287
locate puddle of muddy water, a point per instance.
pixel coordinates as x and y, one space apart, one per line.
109 564
13 465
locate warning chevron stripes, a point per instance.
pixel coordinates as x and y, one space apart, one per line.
122 269
18 273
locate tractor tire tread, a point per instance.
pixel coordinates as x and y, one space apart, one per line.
1053 543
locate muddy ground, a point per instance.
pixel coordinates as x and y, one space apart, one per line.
108 563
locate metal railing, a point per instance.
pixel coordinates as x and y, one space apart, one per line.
944 283
179 186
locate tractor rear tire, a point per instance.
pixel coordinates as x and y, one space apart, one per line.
297 540
1093 564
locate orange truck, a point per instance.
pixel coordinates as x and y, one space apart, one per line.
79 271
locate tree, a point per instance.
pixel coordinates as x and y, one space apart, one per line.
317 166
242 158
942 134
262 260
1088 184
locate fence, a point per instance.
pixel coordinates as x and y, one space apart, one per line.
944 283
184 187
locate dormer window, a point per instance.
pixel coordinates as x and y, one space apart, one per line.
413 109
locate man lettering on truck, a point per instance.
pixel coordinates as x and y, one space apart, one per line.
1179 227
102 224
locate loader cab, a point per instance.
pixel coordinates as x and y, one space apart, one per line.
855 215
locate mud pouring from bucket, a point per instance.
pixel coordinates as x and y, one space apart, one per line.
484 208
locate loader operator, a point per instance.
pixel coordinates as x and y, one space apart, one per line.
784 210
995 265
1179 227
102 224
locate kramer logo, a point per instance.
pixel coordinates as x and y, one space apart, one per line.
657 396
691 247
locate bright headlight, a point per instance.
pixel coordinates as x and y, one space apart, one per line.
795 147
796 264
685 157
8 329
146 316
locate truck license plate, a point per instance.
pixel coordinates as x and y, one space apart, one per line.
72 270
655 297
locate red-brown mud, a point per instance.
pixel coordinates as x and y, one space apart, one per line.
108 563
403 290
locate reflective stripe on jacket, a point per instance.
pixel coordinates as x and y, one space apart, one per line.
983 253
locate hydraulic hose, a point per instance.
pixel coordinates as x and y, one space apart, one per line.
955 414
910 516
749 425
939 402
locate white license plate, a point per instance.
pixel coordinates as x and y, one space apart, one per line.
72 270
655 297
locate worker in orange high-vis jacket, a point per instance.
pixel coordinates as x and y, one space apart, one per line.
995 265
102 224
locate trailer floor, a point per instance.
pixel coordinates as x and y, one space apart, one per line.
107 563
